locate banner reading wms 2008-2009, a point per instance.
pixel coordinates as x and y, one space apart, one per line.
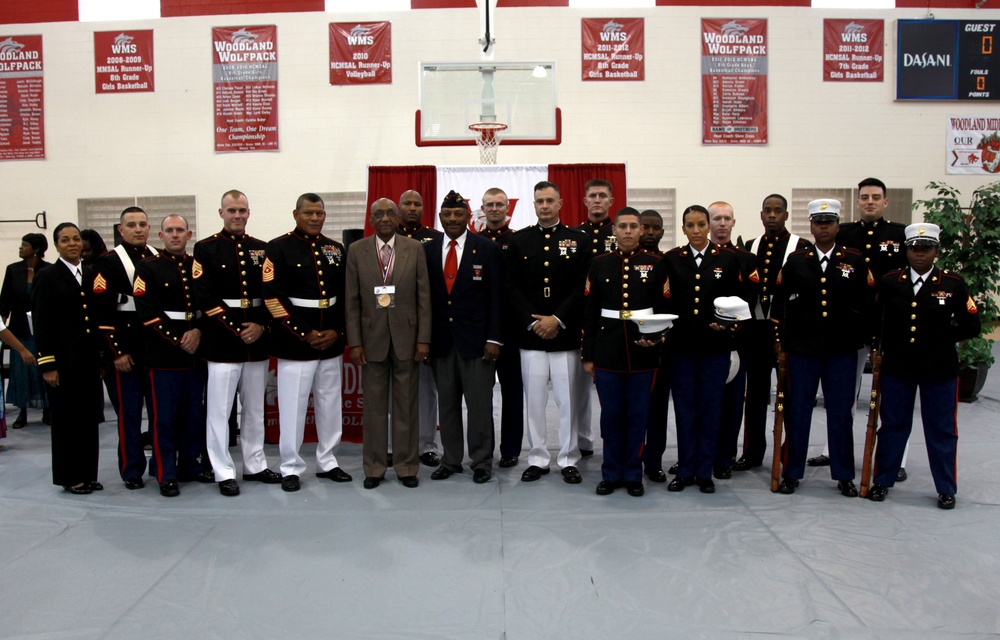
245 74
734 81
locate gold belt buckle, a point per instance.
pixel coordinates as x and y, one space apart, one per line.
189 315
546 292
324 303
626 314
244 303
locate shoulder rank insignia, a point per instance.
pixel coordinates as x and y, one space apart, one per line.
196 270
268 274
139 287
100 284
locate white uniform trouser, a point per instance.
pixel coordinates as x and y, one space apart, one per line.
428 411
296 379
563 368
581 401
223 380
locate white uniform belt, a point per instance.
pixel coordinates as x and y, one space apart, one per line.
182 315
322 303
626 314
128 305
242 303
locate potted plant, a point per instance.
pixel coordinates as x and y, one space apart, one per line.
970 245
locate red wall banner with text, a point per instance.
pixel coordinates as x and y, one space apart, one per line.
853 50
123 61
360 53
22 99
613 48
245 74
734 81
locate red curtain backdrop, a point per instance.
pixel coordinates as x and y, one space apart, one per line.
571 179
391 182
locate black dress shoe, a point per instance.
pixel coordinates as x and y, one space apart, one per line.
336 474
744 465
946 500
388 460
442 473
169 489
205 477
678 484
705 485
635 489
847 489
507 463
430 459
410 482
229 488
81 490
877 493
819 461
722 473
571 475
673 468
134 483
481 476
787 486
290 483
586 453
266 476
901 475
21 420
607 487
656 475
533 473
95 486
371 482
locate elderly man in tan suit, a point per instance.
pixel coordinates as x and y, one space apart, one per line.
389 335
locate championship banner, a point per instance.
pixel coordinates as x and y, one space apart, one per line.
734 81
360 53
973 144
853 50
123 61
22 123
245 73
613 49
517 181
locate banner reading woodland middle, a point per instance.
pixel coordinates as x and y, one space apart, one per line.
245 74
734 81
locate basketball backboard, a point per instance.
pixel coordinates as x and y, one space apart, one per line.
456 95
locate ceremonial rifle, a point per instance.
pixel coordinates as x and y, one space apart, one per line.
779 417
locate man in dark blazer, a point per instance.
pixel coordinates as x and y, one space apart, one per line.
389 334
466 283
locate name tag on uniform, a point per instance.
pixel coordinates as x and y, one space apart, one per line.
385 297
477 272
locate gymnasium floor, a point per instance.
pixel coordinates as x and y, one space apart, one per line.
506 559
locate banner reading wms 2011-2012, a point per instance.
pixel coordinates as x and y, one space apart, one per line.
245 74
734 81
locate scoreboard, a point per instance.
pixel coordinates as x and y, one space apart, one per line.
947 60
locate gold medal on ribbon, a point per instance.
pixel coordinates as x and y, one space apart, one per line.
383 300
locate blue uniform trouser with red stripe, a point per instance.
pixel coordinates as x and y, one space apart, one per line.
131 390
938 408
624 401
178 421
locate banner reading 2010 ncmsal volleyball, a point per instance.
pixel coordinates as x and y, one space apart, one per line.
734 81
245 74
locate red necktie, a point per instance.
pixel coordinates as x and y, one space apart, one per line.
450 266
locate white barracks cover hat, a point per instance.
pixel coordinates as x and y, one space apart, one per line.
923 233
824 210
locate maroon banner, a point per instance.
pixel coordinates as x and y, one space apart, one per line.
734 81
360 53
245 73
613 48
123 61
22 99
853 50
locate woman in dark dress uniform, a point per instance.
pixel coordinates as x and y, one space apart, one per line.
69 357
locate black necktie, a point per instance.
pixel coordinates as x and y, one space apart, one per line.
916 284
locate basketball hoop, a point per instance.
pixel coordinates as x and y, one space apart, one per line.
488 136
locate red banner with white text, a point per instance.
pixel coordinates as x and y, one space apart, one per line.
123 61
22 99
613 48
734 81
245 75
360 53
853 50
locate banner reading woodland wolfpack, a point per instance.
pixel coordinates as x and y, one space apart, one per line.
123 61
613 49
734 81
245 73
360 53
853 50
22 123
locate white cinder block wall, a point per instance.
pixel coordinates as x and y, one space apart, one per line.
821 134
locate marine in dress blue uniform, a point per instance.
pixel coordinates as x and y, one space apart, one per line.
821 307
920 313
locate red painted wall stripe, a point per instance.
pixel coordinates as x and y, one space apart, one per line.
24 11
442 4
177 8
502 4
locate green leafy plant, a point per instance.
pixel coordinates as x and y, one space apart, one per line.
970 245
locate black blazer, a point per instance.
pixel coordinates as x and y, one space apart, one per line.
65 327
15 301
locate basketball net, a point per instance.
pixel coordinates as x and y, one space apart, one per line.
488 136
